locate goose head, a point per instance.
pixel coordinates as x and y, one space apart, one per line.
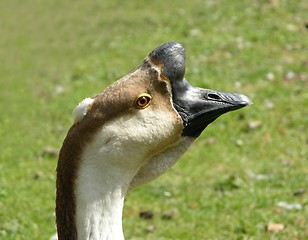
127 135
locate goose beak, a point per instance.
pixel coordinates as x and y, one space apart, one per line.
197 107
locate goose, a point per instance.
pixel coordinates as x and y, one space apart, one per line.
127 135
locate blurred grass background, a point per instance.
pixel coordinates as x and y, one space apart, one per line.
246 171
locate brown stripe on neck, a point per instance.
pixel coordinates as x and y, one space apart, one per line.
68 164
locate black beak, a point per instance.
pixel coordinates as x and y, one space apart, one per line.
197 107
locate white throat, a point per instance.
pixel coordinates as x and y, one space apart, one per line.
99 205
102 183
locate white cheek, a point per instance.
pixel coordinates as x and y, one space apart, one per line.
146 128
81 110
128 140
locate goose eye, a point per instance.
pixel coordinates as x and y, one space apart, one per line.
143 101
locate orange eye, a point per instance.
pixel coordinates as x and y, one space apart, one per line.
143 101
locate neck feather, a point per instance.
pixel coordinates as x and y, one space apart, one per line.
99 203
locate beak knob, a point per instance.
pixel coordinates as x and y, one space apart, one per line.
170 57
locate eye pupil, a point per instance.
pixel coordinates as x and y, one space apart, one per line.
142 101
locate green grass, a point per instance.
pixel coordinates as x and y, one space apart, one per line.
55 53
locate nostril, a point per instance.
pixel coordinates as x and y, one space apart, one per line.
213 96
